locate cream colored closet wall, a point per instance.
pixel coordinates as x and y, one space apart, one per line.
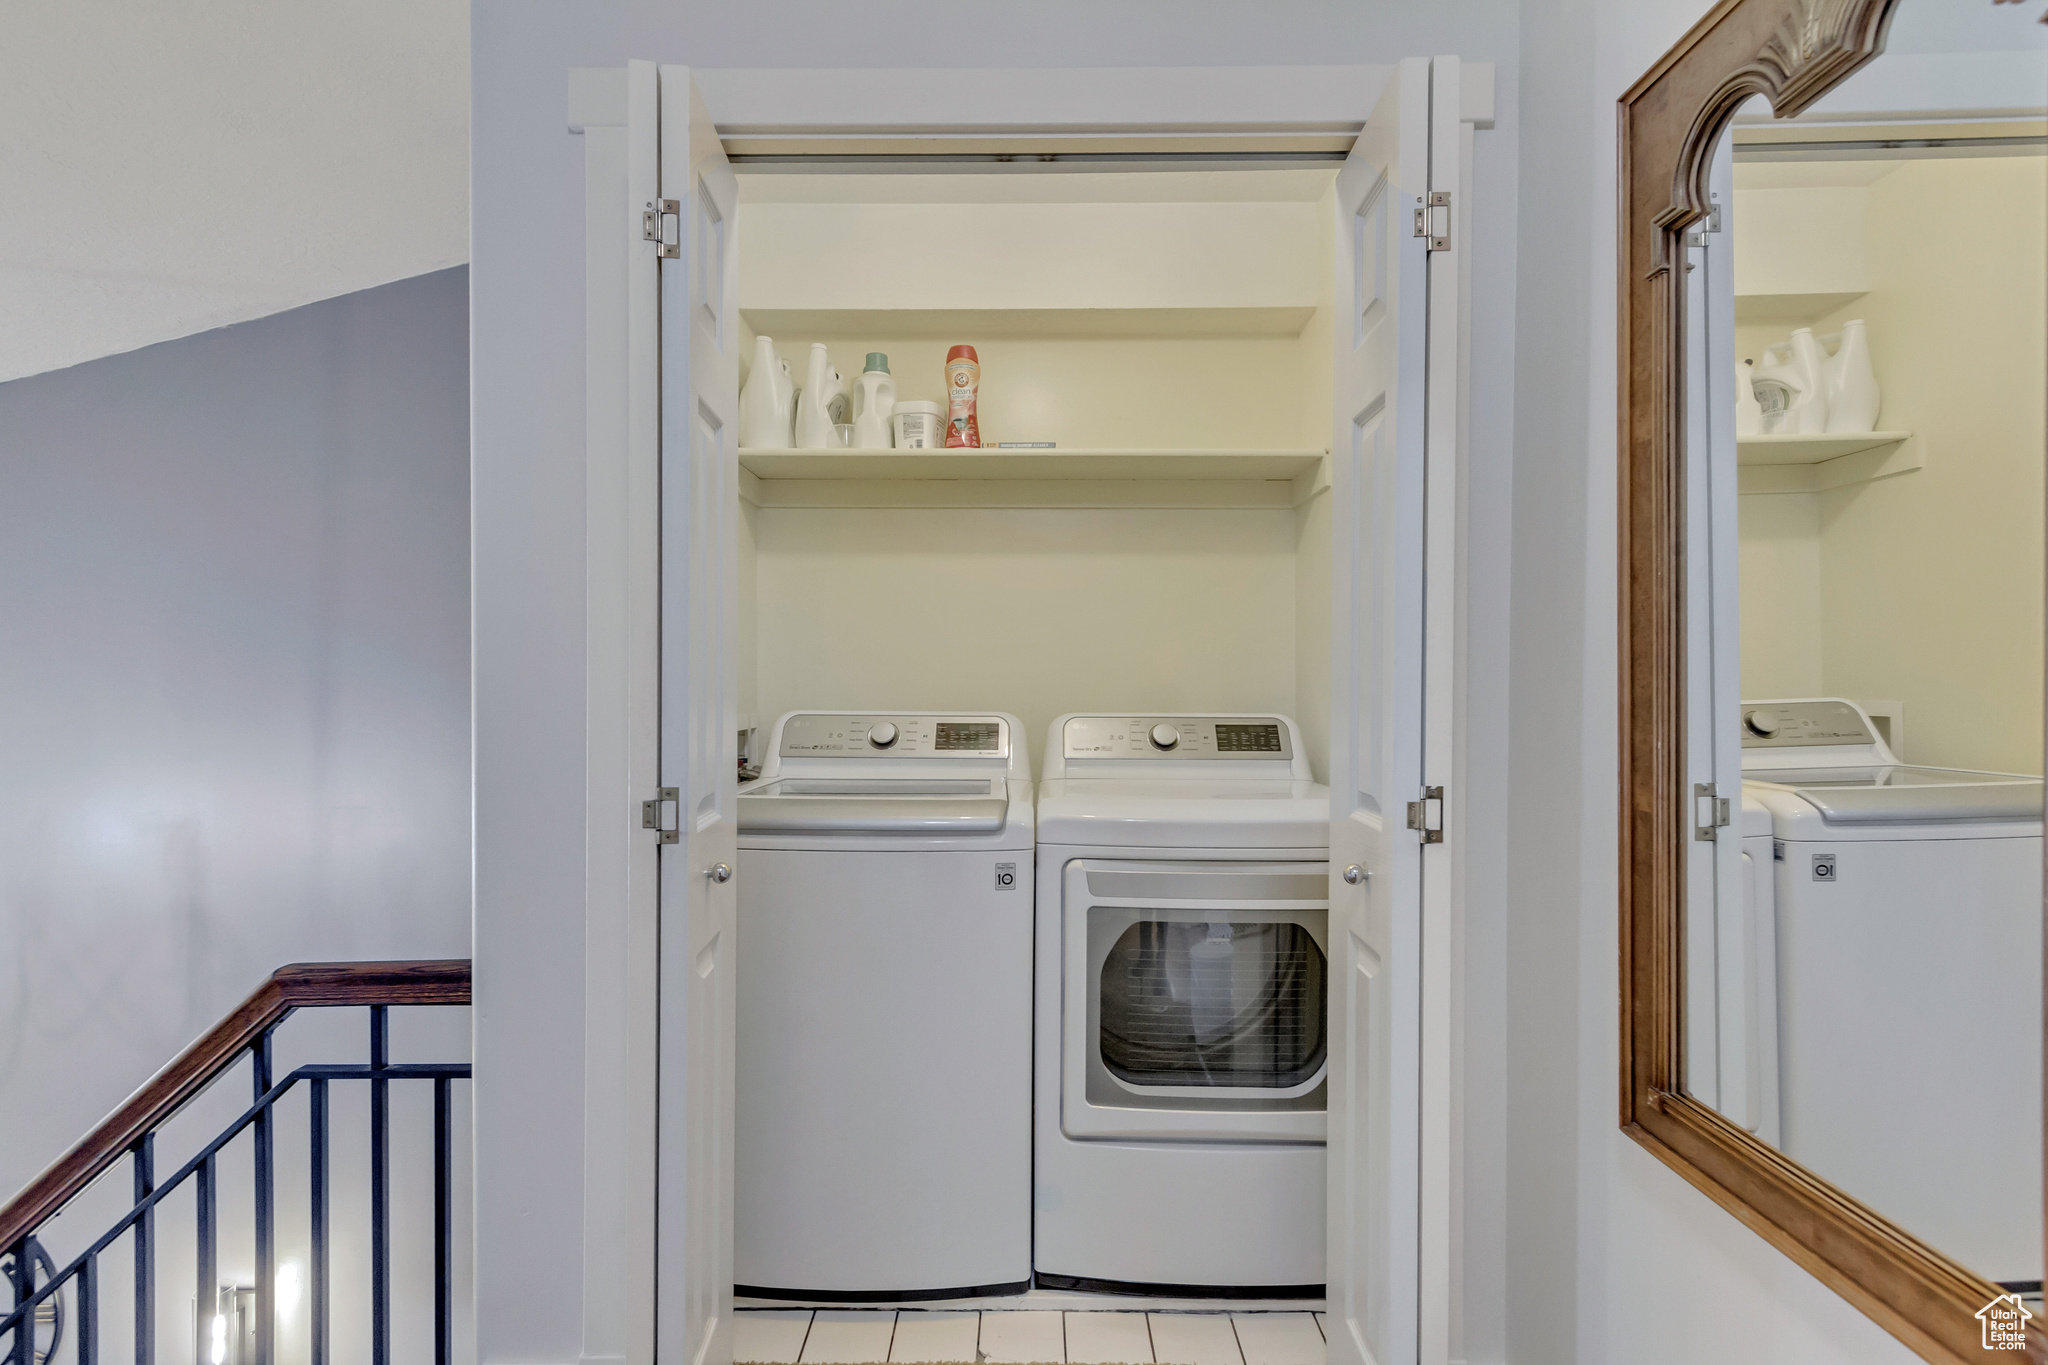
1158 311
1923 587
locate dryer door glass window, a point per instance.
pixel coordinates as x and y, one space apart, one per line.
1215 1003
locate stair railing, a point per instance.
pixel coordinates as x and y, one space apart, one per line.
130 1131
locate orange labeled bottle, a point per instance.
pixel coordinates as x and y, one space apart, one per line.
963 386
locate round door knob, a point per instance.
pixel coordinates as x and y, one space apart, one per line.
1355 874
882 734
718 872
1762 724
1164 737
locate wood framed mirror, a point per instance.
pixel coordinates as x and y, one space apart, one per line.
1750 1039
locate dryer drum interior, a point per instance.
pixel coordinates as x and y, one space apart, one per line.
1213 1002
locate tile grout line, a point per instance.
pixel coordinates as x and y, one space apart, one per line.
1243 1356
1152 1345
810 1321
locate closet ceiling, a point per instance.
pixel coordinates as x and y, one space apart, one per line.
165 169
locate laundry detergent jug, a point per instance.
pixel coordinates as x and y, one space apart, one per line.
874 401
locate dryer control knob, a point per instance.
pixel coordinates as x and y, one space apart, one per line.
1762 724
1165 737
882 734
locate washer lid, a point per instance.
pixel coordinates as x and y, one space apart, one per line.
874 805
1900 795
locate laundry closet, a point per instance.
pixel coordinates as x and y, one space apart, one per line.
1217 482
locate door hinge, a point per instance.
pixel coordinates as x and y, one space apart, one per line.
1427 815
1709 812
1433 220
660 816
1711 223
662 223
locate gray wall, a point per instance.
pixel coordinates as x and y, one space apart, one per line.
234 683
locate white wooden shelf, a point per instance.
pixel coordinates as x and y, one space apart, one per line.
1031 478
1790 310
1815 464
1794 449
989 324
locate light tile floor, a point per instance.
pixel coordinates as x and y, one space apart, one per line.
863 1336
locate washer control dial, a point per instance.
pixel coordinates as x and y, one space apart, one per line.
881 734
1164 736
1762 724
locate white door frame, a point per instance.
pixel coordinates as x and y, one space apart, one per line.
827 112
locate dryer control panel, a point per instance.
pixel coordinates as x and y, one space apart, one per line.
893 735
1190 737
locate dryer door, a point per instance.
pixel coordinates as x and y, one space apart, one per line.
1202 1003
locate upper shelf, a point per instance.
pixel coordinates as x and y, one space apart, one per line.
1796 449
1794 310
1031 478
955 324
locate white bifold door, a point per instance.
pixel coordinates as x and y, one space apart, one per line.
686 195
1730 949
1394 457
1396 236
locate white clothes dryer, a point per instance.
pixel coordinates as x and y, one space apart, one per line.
1908 966
883 980
1183 922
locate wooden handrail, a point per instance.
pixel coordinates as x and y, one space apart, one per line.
439 982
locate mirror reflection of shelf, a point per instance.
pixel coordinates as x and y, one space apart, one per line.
1811 464
1032 478
1791 448
1790 310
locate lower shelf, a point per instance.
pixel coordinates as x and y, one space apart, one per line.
1031 478
1795 449
1815 464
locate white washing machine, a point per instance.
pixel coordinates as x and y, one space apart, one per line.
883 981
1908 906
1183 920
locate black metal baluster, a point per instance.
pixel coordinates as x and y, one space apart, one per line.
21 1277
380 1189
86 1299
145 1252
206 1287
266 1188
318 1288
443 1316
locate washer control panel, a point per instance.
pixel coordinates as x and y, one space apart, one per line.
872 735
1207 737
1793 724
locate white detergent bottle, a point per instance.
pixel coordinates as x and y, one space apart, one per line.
768 401
1851 382
1809 414
822 403
1749 414
874 401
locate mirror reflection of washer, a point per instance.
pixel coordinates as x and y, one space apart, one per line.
883 975
1183 922
1900 885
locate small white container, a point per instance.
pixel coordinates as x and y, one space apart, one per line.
919 426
